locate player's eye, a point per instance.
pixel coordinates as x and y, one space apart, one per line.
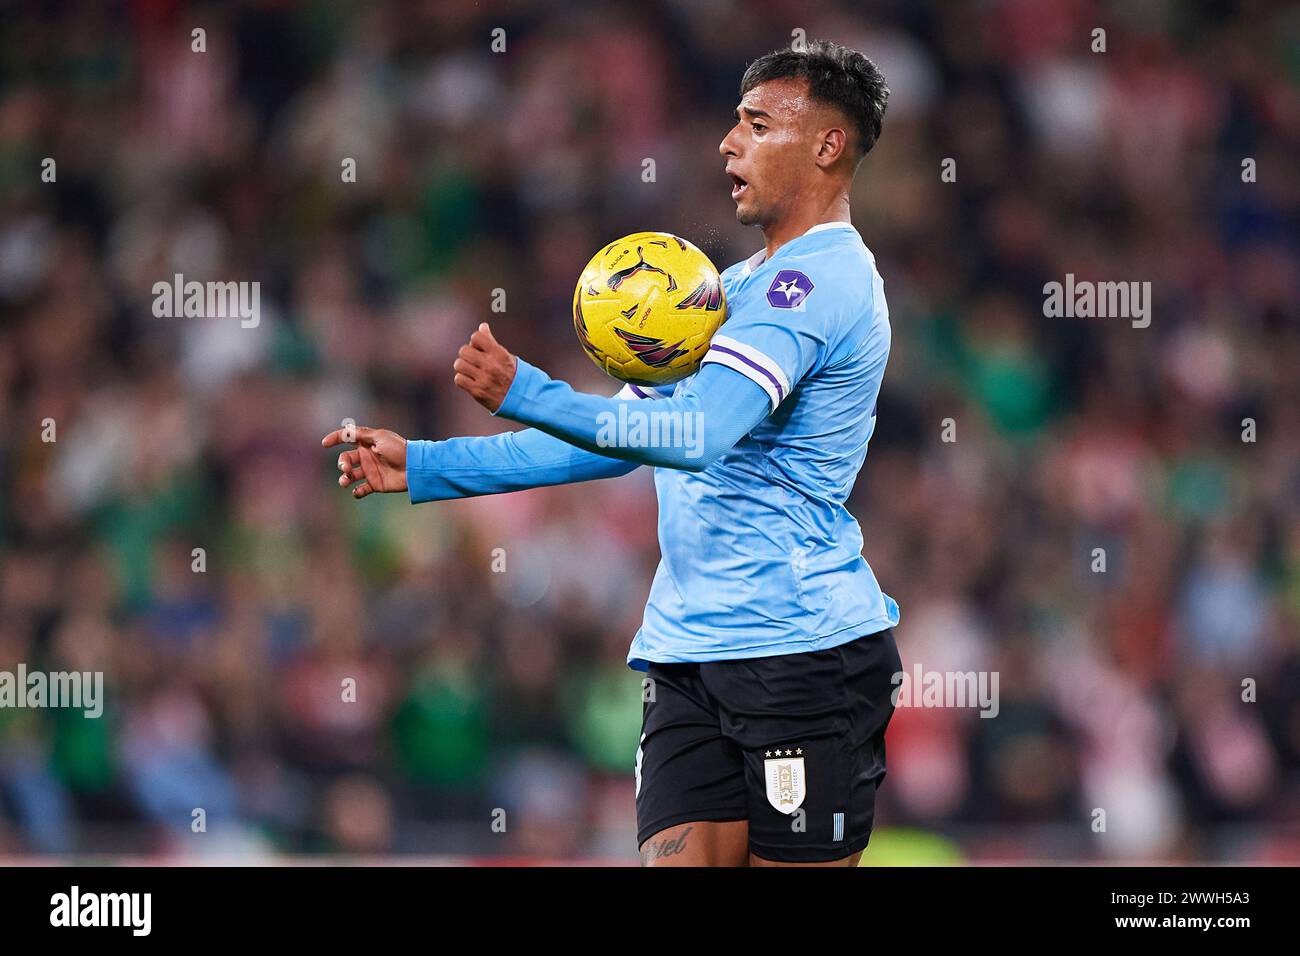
759 127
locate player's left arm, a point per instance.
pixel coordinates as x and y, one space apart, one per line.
704 420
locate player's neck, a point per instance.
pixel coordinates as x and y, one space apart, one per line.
777 234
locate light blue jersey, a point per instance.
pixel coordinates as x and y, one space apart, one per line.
759 554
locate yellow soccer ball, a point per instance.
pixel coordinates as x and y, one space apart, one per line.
646 308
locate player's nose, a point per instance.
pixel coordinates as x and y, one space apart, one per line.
728 147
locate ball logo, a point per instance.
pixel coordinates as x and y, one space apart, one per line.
622 275
789 289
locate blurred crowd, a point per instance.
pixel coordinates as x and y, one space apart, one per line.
317 674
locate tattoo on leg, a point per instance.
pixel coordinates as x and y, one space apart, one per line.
654 850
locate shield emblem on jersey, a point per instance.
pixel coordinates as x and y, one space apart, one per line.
788 289
786 783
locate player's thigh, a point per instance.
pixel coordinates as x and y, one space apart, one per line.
687 773
699 843
811 728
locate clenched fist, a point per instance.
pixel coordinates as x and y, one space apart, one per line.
485 369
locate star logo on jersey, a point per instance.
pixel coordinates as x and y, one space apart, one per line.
789 289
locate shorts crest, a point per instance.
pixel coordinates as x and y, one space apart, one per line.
786 782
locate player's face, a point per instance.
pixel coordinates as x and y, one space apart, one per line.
771 151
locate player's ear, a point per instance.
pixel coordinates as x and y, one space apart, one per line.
831 146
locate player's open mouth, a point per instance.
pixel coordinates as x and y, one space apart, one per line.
738 185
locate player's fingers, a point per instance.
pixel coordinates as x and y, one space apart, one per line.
347 435
466 383
482 339
367 436
361 490
462 367
349 459
351 475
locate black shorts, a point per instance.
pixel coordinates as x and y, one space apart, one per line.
795 744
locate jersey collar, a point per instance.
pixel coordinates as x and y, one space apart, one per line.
756 260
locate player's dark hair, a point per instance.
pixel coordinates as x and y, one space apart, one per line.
836 76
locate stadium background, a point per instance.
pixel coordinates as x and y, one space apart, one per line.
479 170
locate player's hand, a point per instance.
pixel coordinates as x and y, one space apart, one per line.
485 369
378 463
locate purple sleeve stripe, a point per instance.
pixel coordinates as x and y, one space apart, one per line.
780 392
637 391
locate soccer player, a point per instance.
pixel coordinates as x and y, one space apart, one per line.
768 640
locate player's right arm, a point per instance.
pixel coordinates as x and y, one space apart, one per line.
465 467
495 464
